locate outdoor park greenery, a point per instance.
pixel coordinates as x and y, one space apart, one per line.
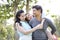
7 32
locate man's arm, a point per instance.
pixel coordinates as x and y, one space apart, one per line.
49 35
52 26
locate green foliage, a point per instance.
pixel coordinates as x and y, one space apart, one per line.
7 11
10 31
6 33
57 22
3 32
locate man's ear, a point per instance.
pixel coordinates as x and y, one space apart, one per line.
39 11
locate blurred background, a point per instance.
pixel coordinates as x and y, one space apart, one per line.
8 9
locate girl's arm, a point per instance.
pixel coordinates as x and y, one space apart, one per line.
21 29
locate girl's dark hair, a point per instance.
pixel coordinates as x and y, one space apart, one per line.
27 18
17 15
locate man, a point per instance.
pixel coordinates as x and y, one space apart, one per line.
40 34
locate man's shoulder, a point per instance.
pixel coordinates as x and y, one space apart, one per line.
32 20
47 19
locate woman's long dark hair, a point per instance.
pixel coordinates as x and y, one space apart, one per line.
17 15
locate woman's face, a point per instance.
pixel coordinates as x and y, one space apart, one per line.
22 17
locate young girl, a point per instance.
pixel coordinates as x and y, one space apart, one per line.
23 28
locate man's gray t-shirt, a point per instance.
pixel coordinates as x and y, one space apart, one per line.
40 33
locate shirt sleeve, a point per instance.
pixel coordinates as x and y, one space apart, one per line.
52 26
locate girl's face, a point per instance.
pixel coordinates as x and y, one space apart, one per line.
29 16
22 17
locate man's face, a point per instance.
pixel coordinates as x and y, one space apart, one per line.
36 12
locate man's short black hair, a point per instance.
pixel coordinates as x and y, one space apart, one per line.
38 7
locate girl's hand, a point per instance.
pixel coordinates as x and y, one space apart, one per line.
40 26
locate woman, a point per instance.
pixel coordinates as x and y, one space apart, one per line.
23 28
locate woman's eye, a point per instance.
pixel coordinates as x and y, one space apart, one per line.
22 16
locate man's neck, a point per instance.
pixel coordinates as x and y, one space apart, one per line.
39 18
